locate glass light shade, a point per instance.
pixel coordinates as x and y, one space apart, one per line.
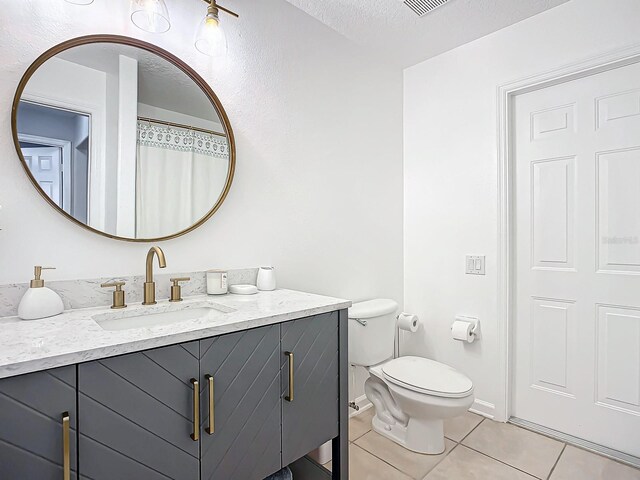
80 2
150 15
210 37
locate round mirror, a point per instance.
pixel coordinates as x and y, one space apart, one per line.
123 138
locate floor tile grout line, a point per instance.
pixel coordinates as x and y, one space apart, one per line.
443 458
500 461
383 461
460 442
359 436
472 430
446 454
557 461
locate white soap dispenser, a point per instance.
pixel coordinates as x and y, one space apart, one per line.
39 301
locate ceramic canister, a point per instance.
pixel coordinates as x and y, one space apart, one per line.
266 278
217 282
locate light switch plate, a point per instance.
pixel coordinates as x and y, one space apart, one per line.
475 265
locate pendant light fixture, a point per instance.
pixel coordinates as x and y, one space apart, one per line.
210 37
153 16
150 15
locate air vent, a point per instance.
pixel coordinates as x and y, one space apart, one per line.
422 7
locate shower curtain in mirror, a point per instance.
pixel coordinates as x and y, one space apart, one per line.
180 176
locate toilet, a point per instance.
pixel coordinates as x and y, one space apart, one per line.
411 395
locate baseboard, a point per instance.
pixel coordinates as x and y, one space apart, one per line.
578 442
363 404
483 408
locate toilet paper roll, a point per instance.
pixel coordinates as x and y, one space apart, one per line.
408 322
462 331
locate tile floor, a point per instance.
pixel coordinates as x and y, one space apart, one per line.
477 449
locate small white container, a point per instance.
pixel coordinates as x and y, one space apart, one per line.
217 282
243 289
266 279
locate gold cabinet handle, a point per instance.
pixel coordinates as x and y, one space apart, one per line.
289 398
211 428
195 436
66 454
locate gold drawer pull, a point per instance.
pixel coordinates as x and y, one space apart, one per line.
289 398
66 454
211 428
195 436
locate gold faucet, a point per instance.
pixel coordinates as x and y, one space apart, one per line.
149 284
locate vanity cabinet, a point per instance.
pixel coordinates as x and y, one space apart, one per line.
136 415
243 442
239 406
38 425
311 418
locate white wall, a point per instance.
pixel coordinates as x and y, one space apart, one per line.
318 186
450 169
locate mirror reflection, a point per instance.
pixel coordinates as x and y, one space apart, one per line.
123 141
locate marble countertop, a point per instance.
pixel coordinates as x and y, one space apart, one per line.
75 337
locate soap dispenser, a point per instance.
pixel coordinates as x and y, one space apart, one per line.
39 301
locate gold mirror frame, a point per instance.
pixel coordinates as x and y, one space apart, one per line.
190 72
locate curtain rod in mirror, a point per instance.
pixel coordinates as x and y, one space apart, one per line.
180 125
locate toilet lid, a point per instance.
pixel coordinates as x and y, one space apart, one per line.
428 376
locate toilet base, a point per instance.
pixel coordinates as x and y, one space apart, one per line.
420 435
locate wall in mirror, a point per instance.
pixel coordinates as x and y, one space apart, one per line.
123 138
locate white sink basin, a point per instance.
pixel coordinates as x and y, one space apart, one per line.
156 316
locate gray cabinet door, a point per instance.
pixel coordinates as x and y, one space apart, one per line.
31 426
136 415
312 417
245 442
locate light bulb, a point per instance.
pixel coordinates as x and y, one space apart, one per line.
210 37
80 2
150 15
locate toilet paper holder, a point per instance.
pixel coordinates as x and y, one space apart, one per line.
475 322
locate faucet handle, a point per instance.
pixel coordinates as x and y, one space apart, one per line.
176 289
118 294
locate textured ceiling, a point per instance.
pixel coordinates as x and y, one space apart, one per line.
157 77
389 28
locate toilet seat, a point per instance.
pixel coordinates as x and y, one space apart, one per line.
427 376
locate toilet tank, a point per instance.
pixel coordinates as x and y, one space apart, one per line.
372 343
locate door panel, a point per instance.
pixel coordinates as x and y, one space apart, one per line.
31 437
245 366
618 210
45 166
312 418
577 325
136 416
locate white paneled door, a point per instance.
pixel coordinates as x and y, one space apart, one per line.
46 167
577 304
